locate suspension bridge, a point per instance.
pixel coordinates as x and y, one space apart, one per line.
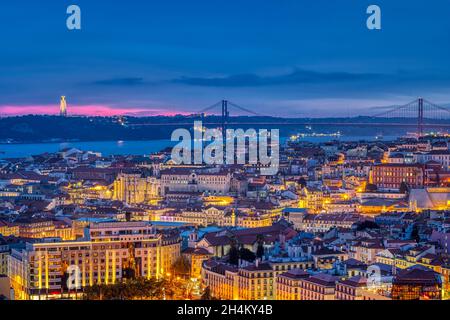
419 113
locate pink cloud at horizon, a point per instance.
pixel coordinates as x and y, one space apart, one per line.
83 110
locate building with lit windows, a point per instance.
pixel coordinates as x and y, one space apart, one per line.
196 257
440 156
390 176
365 250
288 284
324 222
79 193
35 228
219 216
417 284
221 279
110 252
313 199
250 281
64 231
8 229
429 199
4 252
211 181
357 288
219 243
418 255
321 286
134 189
200 216
256 282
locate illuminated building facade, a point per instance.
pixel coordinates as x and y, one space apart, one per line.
391 176
324 222
196 257
8 229
288 284
211 181
79 194
250 282
36 228
200 217
440 156
221 279
221 217
419 255
318 287
256 282
313 199
134 189
365 250
64 232
4 252
417 284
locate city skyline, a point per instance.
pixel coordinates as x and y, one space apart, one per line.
298 59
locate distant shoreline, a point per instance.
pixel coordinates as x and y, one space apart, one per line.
136 147
65 141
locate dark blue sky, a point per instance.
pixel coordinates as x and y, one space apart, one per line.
280 57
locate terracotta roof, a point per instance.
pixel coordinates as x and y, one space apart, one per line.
356 281
261 267
196 251
323 279
326 251
354 263
417 276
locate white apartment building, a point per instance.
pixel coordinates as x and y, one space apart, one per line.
440 156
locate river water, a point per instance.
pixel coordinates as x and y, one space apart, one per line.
131 147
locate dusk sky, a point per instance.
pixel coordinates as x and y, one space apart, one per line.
290 58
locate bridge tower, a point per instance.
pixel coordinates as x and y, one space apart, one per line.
63 107
420 118
225 116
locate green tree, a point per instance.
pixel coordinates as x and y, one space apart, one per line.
135 289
